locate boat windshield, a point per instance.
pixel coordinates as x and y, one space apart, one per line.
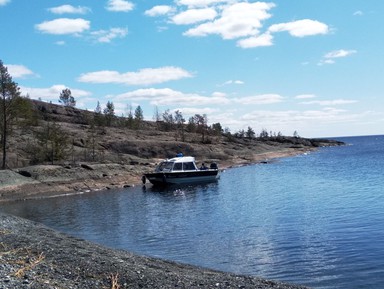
165 166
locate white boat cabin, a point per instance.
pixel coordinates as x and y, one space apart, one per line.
177 164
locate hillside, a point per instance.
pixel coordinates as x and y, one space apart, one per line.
99 157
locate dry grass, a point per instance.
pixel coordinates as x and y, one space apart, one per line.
115 281
28 264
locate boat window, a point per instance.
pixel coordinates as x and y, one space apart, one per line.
178 167
165 166
188 166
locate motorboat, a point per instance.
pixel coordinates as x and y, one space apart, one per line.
181 170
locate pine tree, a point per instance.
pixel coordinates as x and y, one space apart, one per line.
66 98
139 117
9 92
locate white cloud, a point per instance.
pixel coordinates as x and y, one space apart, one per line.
330 102
192 16
159 10
339 53
62 26
256 41
301 28
289 120
305 96
119 6
167 97
69 9
106 36
199 3
358 13
329 58
19 71
52 93
196 110
236 20
4 2
260 99
144 76
229 82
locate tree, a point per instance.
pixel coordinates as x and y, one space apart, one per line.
179 120
250 133
53 143
264 133
66 98
217 128
168 120
109 112
139 117
98 119
9 92
201 123
191 126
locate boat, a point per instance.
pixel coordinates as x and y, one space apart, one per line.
181 170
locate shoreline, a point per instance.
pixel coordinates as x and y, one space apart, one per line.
45 181
35 256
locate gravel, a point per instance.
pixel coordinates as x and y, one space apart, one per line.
35 256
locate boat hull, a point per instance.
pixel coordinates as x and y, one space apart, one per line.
169 178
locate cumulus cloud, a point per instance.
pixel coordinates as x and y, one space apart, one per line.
167 97
265 39
63 9
106 36
51 93
192 16
159 10
237 20
234 19
144 76
119 6
19 71
260 99
301 28
63 26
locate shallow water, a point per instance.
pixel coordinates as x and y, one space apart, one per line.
314 219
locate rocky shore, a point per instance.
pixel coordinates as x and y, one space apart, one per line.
34 256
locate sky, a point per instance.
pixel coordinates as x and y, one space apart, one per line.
314 67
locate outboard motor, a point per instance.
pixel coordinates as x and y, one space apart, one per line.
213 166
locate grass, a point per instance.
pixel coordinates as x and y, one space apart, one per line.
114 281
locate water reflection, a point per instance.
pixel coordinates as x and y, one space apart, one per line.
285 220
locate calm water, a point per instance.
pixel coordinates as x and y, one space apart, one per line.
315 219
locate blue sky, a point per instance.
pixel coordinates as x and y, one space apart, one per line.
315 67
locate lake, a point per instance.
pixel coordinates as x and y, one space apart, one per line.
314 219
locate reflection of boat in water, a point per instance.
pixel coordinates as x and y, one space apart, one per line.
181 170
